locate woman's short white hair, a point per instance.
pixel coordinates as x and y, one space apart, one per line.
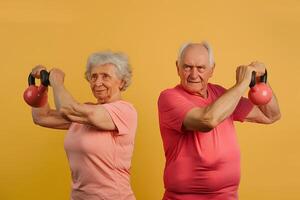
205 44
119 60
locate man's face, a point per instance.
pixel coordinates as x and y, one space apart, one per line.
194 70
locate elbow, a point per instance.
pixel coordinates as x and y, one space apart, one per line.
36 119
202 120
63 111
271 119
211 124
211 119
208 124
278 117
39 121
66 110
206 128
275 118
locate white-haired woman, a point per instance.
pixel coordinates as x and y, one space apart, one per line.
100 138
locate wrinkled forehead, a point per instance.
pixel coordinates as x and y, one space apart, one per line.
195 54
100 68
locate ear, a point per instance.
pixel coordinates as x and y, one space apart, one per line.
212 70
177 66
89 80
122 84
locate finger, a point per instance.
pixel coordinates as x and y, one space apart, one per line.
36 70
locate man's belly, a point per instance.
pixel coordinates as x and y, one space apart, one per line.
195 176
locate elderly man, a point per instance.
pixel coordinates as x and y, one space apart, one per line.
196 123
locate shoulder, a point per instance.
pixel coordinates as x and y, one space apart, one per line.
122 113
216 89
170 93
120 105
175 98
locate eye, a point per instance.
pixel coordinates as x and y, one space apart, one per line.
105 76
94 77
187 67
201 68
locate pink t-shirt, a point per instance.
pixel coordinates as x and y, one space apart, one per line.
199 166
100 160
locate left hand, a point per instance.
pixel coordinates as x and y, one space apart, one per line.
259 67
56 76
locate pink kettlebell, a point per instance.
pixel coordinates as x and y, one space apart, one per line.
259 93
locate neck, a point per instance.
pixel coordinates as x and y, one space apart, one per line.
202 93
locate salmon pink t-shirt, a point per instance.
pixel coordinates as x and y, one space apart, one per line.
100 160
199 165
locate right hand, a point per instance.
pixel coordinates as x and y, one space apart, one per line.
35 72
259 67
244 74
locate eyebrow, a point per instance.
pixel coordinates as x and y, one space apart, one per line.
186 65
101 73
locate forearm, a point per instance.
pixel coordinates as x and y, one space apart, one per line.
80 113
207 118
38 113
271 110
67 105
47 117
224 106
62 98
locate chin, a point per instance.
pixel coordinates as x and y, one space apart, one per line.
98 97
101 101
191 90
194 91
194 87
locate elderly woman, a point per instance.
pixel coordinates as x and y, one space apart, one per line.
100 138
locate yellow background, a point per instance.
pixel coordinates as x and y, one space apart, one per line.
33 165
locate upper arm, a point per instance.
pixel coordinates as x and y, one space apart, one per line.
101 119
50 119
257 116
179 113
197 119
95 115
246 111
202 118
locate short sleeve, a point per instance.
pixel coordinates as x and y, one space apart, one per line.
172 108
242 109
123 115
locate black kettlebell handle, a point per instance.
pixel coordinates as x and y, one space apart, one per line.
263 78
44 78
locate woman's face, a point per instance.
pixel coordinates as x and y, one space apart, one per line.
105 84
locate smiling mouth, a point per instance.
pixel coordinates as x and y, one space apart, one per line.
194 81
99 91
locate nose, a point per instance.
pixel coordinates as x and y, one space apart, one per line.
194 72
99 81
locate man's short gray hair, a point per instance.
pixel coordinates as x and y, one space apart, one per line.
119 60
205 44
